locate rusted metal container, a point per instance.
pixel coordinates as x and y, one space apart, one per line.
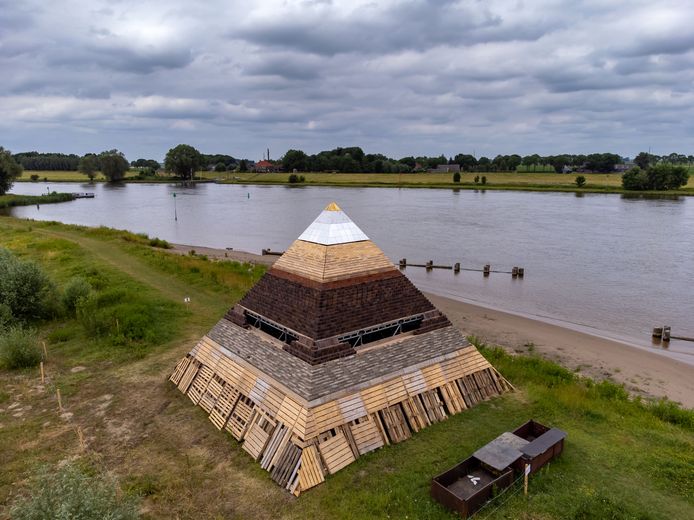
466 487
544 444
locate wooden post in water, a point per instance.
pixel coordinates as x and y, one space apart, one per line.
514 272
658 332
521 272
403 263
430 265
487 269
666 333
456 267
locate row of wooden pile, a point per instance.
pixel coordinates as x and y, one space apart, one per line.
298 464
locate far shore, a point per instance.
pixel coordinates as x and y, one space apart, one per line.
644 373
503 181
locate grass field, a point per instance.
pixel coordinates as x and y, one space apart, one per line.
64 176
624 459
595 182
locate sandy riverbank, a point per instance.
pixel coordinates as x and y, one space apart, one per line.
642 372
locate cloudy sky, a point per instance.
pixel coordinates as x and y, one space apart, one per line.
397 77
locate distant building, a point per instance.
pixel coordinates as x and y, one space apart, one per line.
621 168
267 167
445 168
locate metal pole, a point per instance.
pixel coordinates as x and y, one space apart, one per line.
175 210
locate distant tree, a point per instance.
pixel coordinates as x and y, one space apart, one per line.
409 161
183 160
664 176
635 179
602 162
483 180
580 181
467 162
113 165
477 179
9 170
146 163
456 177
220 167
643 160
243 165
89 164
295 160
483 164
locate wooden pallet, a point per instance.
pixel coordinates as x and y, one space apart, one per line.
224 405
212 393
367 434
395 423
287 467
188 376
199 385
336 452
258 435
311 470
240 417
180 370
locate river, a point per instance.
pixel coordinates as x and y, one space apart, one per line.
604 264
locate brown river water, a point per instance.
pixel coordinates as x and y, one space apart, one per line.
604 264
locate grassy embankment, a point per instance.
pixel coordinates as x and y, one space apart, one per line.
10 200
65 176
623 458
595 182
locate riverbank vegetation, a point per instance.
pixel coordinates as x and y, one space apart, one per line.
119 415
10 200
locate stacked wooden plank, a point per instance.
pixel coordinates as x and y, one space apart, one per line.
299 444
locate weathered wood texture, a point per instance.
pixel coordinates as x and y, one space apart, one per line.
299 443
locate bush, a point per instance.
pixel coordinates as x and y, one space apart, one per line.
484 179
34 177
24 288
158 242
70 493
477 179
19 348
456 177
6 318
657 177
75 289
580 181
293 178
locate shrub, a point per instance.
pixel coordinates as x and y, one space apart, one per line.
24 288
456 177
34 177
6 318
580 181
483 180
70 493
75 289
477 179
19 348
293 178
158 242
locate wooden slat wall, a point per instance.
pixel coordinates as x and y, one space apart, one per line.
298 446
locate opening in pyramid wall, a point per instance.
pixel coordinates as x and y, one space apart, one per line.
332 354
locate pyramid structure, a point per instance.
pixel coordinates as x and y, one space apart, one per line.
332 354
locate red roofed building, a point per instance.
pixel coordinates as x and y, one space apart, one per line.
267 167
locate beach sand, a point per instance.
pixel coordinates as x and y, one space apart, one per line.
642 372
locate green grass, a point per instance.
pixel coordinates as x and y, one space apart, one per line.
65 176
624 458
595 182
11 200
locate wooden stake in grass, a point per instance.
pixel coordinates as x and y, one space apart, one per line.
80 436
45 352
525 479
43 377
60 401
